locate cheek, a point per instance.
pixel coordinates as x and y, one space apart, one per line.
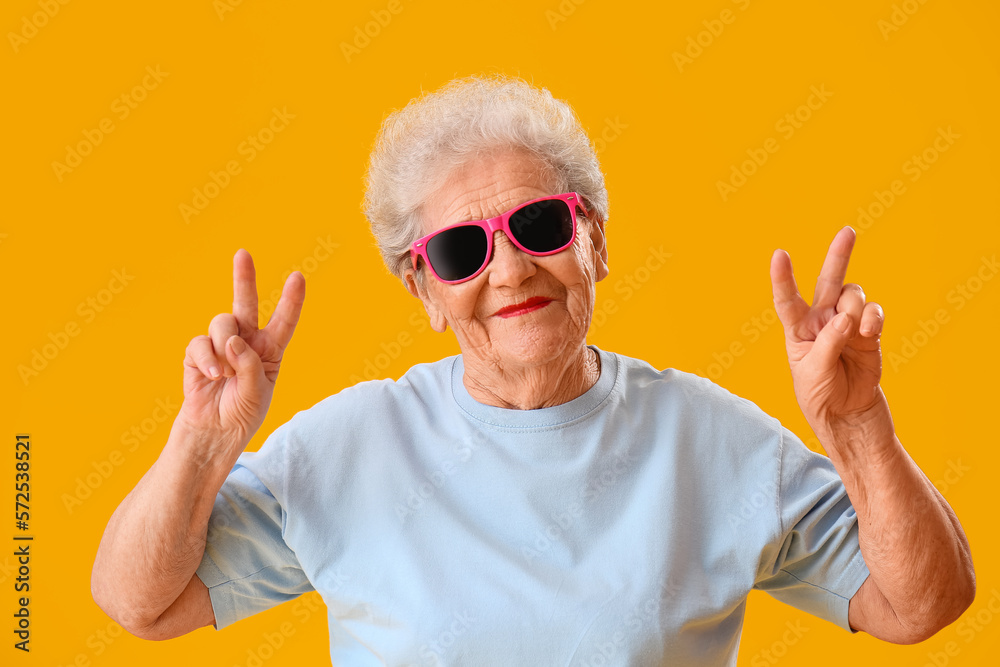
576 274
583 267
458 301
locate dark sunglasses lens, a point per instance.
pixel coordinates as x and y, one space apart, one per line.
543 226
457 253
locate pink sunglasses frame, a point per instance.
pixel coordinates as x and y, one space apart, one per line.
502 221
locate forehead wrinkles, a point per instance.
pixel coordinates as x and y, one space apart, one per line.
527 179
471 207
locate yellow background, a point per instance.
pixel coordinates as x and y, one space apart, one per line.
678 131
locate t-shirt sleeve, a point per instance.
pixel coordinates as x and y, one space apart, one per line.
815 562
247 566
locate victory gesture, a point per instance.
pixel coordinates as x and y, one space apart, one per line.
229 374
833 346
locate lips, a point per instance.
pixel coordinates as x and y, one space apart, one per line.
534 302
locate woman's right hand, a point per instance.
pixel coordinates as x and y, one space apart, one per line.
229 374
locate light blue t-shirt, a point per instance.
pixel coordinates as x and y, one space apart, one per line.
625 527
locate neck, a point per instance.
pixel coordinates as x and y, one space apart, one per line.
532 387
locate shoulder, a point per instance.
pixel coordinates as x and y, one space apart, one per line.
698 397
347 423
423 383
710 428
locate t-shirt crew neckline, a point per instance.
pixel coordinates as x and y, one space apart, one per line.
542 417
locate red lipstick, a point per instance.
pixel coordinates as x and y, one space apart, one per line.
534 303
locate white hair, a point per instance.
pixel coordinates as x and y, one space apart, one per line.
419 145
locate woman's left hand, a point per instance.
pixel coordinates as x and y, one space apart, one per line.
836 364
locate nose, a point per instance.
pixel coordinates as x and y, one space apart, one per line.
509 265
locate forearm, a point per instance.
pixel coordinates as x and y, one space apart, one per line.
910 538
155 539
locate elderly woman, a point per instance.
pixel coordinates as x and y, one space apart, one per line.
534 500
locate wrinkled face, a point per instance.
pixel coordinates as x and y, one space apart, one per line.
485 188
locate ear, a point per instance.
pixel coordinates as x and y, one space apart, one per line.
600 248
410 282
415 286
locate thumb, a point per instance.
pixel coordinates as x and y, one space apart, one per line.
248 367
831 340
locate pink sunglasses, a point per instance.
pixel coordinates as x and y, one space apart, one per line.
539 227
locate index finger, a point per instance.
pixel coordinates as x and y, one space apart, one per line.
244 292
831 277
788 303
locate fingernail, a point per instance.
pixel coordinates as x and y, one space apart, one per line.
214 372
238 345
841 323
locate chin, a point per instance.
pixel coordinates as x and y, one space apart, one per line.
534 346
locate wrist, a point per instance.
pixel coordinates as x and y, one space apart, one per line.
204 451
863 438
